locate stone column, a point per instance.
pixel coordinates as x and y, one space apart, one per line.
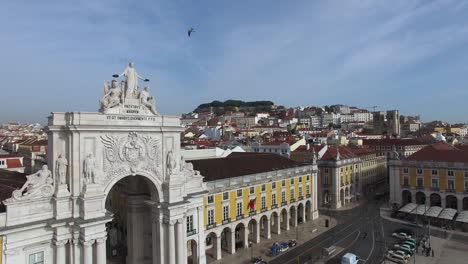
256 233
217 248
60 254
136 214
231 242
181 244
294 218
459 203
171 247
246 237
87 251
286 221
277 224
442 202
101 250
268 229
158 233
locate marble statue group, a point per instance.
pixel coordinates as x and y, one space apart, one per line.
127 92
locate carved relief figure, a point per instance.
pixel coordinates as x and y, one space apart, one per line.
147 100
61 169
90 169
36 180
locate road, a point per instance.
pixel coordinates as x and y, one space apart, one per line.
348 234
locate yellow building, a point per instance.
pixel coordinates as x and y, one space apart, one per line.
436 176
254 195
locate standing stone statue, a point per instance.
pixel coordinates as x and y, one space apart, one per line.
61 169
90 169
132 79
170 163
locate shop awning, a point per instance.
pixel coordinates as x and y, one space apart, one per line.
447 213
408 208
462 217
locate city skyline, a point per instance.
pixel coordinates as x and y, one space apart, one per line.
406 55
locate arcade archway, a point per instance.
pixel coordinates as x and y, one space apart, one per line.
130 234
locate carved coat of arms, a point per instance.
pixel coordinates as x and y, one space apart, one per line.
128 155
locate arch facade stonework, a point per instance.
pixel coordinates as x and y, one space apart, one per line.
124 139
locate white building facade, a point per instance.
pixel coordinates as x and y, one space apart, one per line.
69 212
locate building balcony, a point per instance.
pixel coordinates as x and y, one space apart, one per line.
420 187
292 201
308 196
239 217
263 210
251 213
211 226
300 198
226 221
435 189
191 232
284 203
273 206
450 191
405 185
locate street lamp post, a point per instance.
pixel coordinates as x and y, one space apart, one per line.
251 249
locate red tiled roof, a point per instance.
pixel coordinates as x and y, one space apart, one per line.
362 151
331 153
317 148
13 163
438 152
393 142
240 164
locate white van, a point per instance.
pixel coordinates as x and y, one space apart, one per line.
349 258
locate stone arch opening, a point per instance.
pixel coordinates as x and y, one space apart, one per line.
300 213
308 210
435 200
284 219
254 234
451 202
211 246
342 197
192 252
406 197
130 233
275 223
420 198
265 227
292 216
240 236
465 204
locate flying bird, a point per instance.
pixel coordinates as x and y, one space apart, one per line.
189 32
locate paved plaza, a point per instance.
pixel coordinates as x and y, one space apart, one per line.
302 233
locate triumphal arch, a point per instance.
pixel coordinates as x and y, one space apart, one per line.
116 188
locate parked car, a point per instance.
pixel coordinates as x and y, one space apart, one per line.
409 243
404 230
292 243
395 259
258 260
399 252
404 248
411 240
401 235
398 256
283 247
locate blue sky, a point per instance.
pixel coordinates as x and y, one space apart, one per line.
409 55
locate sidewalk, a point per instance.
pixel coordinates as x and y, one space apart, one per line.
304 232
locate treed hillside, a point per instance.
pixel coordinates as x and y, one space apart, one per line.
236 105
